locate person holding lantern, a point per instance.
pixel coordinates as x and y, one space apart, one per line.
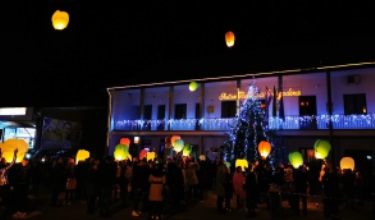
4 181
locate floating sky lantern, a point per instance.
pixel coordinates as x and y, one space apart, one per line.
82 155
347 163
295 159
321 148
243 163
121 152
264 149
229 39
60 20
8 147
178 145
193 86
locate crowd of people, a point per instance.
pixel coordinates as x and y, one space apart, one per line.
158 187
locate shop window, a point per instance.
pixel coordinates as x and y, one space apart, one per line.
228 109
161 112
180 111
355 104
307 105
147 114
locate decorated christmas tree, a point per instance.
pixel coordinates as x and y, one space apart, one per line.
250 128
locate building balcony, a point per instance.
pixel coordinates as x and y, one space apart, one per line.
223 124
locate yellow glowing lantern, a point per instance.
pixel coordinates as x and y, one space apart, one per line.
321 148
295 159
125 141
202 157
82 155
229 39
8 147
60 20
264 148
186 151
143 154
193 86
174 138
150 156
121 152
347 163
178 145
242 163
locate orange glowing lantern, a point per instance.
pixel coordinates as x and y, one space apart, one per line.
264 149
143 154
125 141
242 163
347 163
60 20
174 138
82 155
229 39
8 147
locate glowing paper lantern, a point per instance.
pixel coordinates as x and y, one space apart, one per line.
295 159
178 145
60 20
227 164
264 148
242 163
193 86
229 39
8 147
174 138
202 157
347 163
143 154
82 155
121 152
186 151
125 141
150 156
321 148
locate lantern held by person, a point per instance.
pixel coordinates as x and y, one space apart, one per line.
8 147
178 145
82 155
264 148
347 163
125 141
296 159
121 152
321 148
242 163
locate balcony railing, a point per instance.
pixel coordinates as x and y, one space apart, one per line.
221 124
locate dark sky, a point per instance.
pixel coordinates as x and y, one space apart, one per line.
112 43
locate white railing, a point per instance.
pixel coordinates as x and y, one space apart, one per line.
217 124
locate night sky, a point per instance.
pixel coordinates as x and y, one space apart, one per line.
114 43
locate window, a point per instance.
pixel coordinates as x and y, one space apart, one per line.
147 114
197 110
228 109
355 104
161 112
180 111
308 154
307 105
